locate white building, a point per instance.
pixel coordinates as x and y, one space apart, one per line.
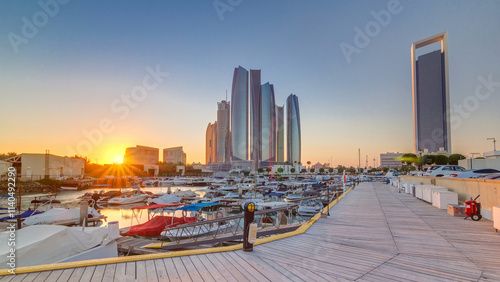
391 160
491 160
39 166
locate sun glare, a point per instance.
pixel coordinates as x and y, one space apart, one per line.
118 159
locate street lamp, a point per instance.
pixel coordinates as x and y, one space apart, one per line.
494 141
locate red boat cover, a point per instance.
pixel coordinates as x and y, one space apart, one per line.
157 224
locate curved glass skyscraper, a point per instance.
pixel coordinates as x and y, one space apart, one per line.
239 115
255 116
268 124
293 129
280 134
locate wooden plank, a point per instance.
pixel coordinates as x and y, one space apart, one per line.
109 272
141 271
98 274
31 276
161 271
151 274
230 267
181 269
191 270
220 267
42 276
7 278
54 275
253 264
65 275
120 272
209 266
286 274
200 269
77 274
19 277
170 268
88 272
130 271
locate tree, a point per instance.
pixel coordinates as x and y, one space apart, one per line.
330 170
441 160
246 172
428 159
260 170
309 164
321 170
351 170
361 170
454 158
312 170
268 170
292 170
280 169
8 155
340 169
409 158
385 169
303 170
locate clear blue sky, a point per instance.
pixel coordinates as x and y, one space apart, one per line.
65 78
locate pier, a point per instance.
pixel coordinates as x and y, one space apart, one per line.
373 234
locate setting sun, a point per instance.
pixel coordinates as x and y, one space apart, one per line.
118 159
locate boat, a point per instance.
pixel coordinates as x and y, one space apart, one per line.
157 220
194 231
293 197
47 244
69 188
165 199
310 207
57 215
128 198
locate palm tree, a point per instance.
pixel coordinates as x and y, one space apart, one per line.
308 164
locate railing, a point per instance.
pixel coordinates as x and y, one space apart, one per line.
269 221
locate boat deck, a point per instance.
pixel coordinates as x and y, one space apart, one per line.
373 234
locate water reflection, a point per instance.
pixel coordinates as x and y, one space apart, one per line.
121 213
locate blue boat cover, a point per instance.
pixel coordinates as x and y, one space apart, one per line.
23 215
195 207
276 194
4 196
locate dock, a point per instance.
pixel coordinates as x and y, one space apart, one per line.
373 234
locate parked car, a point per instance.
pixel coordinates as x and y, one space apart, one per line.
474 173
490 176
443 170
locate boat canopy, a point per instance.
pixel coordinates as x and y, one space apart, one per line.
196 207
276 194
150 207
5 196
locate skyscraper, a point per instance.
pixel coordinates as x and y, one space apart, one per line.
239 115
211 143
431 96
255 116
293 129
280 134
223 135
268 124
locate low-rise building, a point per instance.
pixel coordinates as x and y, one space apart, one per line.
32 167
391 160
174 155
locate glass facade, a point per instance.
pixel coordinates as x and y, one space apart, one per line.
255 115
293 129
239 115
223 135
431 117
268 124
280 134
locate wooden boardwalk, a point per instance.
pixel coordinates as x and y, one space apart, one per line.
373 234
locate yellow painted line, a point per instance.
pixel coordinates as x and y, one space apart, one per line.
46 267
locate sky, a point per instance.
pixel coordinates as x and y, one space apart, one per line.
94 77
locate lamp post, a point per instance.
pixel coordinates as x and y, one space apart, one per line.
420 156
494 143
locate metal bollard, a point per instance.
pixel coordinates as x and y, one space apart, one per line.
247 220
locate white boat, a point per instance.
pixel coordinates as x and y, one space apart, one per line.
47 244
165 199
58 215
232 195
69 188
125 199
185 193
310 207
293 197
